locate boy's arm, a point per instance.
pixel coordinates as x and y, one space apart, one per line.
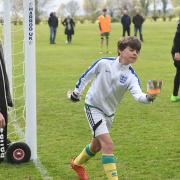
136 92
99 26
85 78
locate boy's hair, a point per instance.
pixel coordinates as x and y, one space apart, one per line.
131 41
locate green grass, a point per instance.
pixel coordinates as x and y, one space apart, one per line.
146 137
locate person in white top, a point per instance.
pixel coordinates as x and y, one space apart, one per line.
112 77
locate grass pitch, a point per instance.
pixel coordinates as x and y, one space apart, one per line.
146 137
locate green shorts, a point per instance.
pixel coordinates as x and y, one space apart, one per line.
105 34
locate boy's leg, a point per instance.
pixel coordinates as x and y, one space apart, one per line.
102 42
108 158
84 156
88 152
107 43
100 126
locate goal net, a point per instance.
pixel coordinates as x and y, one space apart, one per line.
18 39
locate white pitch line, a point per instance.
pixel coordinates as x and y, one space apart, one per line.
41 168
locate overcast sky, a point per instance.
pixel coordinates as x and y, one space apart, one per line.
53 5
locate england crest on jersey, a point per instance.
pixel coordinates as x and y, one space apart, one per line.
123 79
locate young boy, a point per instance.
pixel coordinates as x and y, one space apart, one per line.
105 28
112 78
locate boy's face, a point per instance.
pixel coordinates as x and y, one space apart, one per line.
128 55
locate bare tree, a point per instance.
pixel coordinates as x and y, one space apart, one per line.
177 11
111 7
72 7
125 4
176 3
17 10
39 5
61 10
145 5
92 6
42 3
164 3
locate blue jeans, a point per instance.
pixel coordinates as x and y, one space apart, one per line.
136 29
52 35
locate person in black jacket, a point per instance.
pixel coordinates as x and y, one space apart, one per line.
138 21
53 24
176 57
126 22
5 101
69 28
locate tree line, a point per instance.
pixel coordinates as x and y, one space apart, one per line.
92 8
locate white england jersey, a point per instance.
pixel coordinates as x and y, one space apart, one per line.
111 80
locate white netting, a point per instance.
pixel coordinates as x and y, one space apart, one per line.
16 126
18 37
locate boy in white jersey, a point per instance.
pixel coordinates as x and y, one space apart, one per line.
112 77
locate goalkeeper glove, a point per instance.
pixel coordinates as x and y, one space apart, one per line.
151 97
73 96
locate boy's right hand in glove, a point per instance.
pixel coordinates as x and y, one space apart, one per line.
151 97
73 96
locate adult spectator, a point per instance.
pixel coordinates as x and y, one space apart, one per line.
69 28
53 24
176 57
126 22
138 20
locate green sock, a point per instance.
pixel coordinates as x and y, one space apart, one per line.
109 164
84 156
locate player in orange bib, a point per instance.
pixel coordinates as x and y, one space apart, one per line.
105 28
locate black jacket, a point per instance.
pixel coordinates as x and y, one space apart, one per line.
176 41
138 20
125 21
69 26
5 97
53 21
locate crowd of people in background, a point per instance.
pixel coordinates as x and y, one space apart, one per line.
104 22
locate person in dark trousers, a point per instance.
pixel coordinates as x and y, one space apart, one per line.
5 101
176 57
138 21
53 25
69 28
126 22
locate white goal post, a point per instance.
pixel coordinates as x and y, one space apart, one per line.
29 66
